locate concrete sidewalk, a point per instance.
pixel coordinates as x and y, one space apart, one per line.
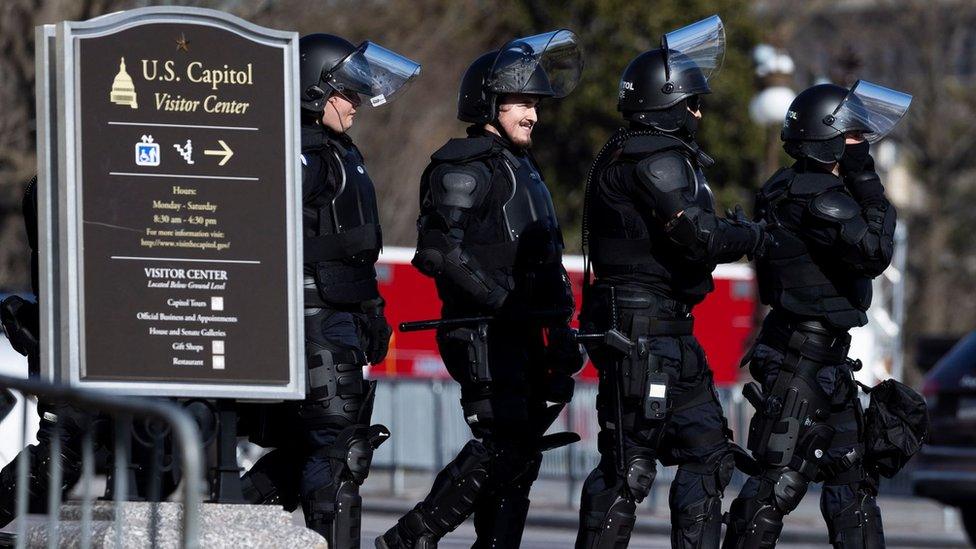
908 522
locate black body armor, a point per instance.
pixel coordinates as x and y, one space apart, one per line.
828 248
488 228
651 219
340 220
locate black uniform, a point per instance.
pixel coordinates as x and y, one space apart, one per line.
489 237
325 443
833 236
834 233
655 239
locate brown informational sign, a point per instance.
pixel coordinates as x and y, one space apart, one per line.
174 209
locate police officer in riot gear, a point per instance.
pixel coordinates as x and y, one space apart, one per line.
834 230
489 237
345 327
653 237
20 320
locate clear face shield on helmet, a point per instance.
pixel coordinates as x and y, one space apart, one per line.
695 53
871 109
548 64
374 72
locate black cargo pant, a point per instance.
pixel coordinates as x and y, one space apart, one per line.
309 462
686 429
829 448
507 401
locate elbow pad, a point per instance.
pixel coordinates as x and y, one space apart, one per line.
842 211
706 237
463 271
878 242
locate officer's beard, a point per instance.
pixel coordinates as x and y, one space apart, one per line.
523 143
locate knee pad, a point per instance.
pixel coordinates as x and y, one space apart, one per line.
756 522
352 453
789 490
336 389
639 477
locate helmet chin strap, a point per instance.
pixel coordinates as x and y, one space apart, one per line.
338 116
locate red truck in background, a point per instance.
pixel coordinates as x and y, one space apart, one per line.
723 322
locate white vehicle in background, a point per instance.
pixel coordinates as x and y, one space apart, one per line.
879 344
14 364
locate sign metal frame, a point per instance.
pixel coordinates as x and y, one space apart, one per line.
60 230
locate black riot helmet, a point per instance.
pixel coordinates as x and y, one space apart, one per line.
545 65
330 64
656 84
820 116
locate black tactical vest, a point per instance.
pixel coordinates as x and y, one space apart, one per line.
530 218
513 234
794 278
627 244
341 222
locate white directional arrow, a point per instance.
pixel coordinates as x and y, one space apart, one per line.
226 152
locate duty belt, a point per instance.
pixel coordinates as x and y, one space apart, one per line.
652 306
648 326
810 339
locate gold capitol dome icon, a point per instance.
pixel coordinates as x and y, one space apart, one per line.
123 90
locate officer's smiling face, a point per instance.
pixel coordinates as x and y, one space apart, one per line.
340 110
517 116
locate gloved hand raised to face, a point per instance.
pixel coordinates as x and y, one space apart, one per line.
378 330
857 158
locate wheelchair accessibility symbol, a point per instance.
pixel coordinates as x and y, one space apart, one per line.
147 152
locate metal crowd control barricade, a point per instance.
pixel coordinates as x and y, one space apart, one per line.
428 429
121 410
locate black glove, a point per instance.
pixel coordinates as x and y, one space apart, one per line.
866 188
563 353
378 330
856 159
737 214
20 321
762 240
